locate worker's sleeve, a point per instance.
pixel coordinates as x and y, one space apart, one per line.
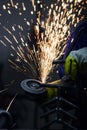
75 61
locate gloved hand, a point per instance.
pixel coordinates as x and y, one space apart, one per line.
76 62
71 66
52 92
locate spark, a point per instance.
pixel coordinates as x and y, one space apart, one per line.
4 7
12 3
3 43
28 23
13 28
33 3
4 90
10 34
20 13
8 40
15 66
11 102
16 7
56 28
24 8
9 12
20 27
50 35
31 12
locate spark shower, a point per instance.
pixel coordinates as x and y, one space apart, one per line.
54 24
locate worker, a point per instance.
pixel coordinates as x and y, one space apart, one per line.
75 65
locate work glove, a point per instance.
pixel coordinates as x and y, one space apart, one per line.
52 92
76 63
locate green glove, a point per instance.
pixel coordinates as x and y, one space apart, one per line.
52 92
71 66
76 62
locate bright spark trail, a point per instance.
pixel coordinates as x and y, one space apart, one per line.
50 34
